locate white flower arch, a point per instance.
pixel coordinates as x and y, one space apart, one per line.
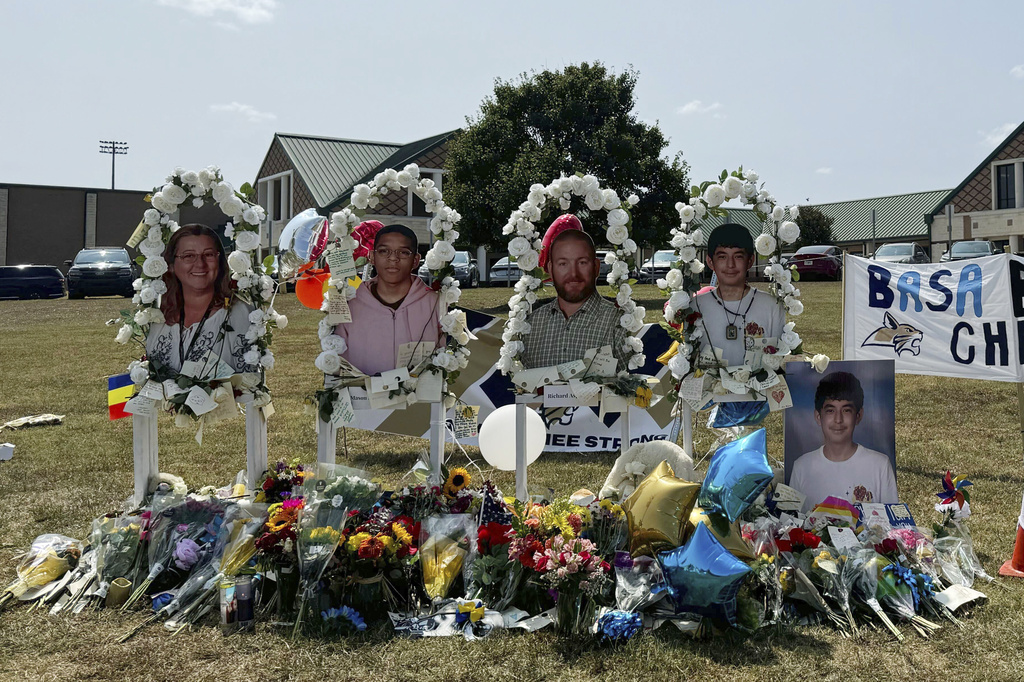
525 245
683 280
252 281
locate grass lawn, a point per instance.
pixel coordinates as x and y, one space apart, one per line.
55 355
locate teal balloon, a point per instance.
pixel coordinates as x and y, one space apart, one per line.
738 473
703 577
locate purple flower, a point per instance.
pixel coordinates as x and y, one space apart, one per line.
186 554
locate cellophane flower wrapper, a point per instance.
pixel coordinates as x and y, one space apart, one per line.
958 529
825 566
48 558
895 594
918 550
605 525
157 536
860 573
319 531
490 574
639 582
444 544
954 561
340 486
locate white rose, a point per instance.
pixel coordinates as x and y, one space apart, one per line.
752 176
232 207
518 246
154 267
679 365
250 216
617 234
679 300
161 204
629 246
778 213
138 284
323 329
794 306
765 244
247 240
794 212
139 372
594 200
433 261
696 267
124 334
404 178
174 194
674 278
198 203
256 317
221 191
714 195
147 295
790 338
686 214
632 200
637 361
251 357
773 361
617 216
610 199
281 321
749 190
789 231
334 344
267 360
528 261
151 217
741 375
700 209
661 283
239 262
151 247
732 186
154 316
155 234
142 316
451 295
687 253
819 362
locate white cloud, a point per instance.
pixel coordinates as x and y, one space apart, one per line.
996 135
246 111
227 26
1017 71
247 11
698 107
824 170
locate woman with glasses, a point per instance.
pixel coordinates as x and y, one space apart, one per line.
394 314
202 324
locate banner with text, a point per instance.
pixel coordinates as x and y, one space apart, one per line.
956 319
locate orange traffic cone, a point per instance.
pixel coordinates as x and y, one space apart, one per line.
1014 568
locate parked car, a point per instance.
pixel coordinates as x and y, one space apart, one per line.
656 267
969 249
785 258
902 252
31 281
466 270
101 271
503 272
819 261
602 276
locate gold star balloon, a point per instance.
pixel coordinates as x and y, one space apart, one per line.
658 511
729 534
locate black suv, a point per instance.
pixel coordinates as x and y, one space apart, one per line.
31 281
465 271
101 271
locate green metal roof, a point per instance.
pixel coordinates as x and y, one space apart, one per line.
329 165
896 217
398 159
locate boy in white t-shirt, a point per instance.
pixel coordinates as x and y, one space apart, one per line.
734 315
840 467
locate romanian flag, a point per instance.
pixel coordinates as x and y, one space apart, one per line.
119 390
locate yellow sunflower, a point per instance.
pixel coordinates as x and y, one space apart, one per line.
458 478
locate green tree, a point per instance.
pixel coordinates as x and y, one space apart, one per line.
815 228
544 124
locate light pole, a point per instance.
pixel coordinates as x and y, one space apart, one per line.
113 148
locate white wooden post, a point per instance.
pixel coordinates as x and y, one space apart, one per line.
145 454
255 446
687 413
522 402
326 441
437 414
624 426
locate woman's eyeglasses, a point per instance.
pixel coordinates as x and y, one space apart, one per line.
190 257
385 253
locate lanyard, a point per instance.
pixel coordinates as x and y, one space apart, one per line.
182 355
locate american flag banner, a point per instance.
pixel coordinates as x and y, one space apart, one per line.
569 429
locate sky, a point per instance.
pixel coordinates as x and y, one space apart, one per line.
828 101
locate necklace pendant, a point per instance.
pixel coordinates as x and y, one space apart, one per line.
731 332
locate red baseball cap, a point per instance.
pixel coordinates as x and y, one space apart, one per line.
560 226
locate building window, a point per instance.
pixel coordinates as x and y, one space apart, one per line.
1005 195
416 206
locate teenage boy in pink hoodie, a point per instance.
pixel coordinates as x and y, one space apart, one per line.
393 309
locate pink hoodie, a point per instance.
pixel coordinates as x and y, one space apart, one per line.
376 331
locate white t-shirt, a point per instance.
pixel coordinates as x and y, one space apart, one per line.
756 315
865 477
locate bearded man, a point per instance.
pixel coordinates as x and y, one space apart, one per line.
579 318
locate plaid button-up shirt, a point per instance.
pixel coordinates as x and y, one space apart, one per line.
554 338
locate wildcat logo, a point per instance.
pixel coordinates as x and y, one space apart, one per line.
899 336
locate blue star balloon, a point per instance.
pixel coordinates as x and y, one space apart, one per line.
746 413
738 473
703 577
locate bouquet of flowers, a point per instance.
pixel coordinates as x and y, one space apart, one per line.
276 552
376 556
492 575
860 573
897 591
341 621
824 566
48 559
639 582
319 531
604 524
444 544
573 568
280 480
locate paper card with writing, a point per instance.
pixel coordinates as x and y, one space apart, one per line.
223 371
412 354
200 401
562 395
779 396
611 402
140 406
428 386
172 389
465 421
383 401
389 381
192 368
530 379
568 370
787 498
762 386
734 386
955 596
692 388
342 412
604 365
268 410
226 409
337 307
341 262
843 538
874 514
153 390
360 398
585 390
